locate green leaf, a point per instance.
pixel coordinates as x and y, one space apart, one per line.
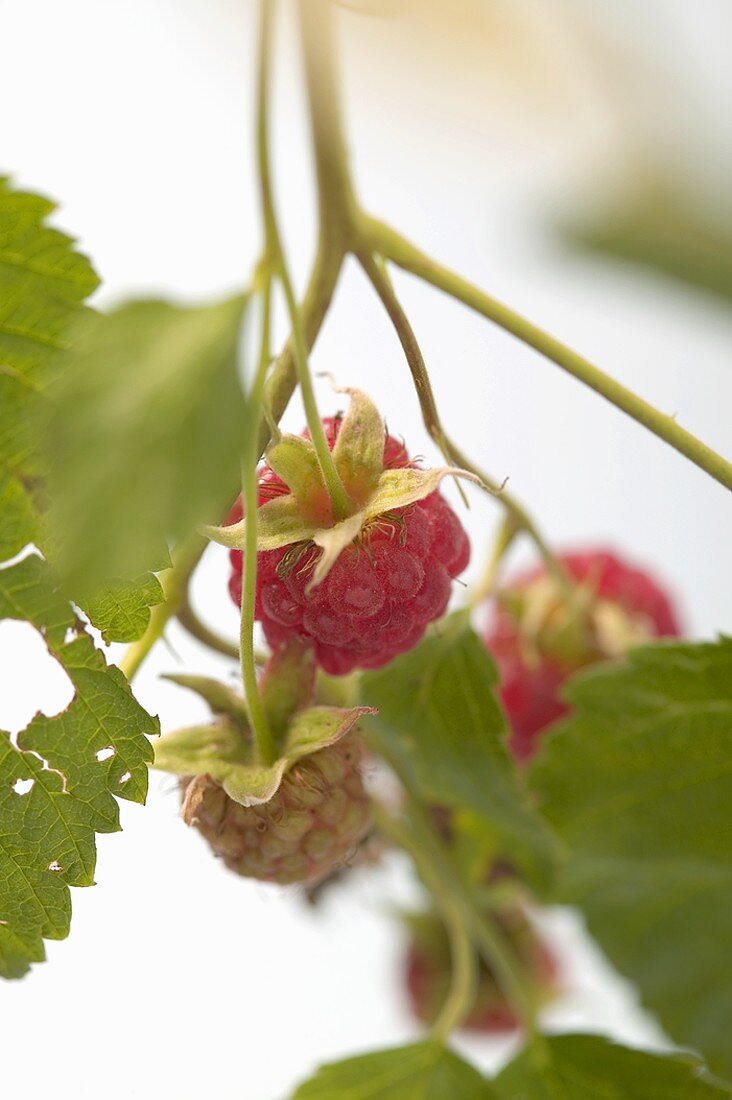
121 609
147 414
589 1067
60 781
223 753
439 713
43 283
19 524
639 787
662 226
29 593
423 1071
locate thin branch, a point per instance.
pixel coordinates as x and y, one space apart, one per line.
420 376
190 622
264 741
342 505
402 252
175 583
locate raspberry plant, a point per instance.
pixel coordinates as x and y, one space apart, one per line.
128 442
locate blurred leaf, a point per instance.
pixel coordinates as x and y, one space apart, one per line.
424 1071
43 283
148 417
438 712
639 787
588 1067
59 781
660 228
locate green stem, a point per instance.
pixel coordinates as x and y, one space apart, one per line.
464 974
175 584
190 622
263 739
419 838
341 503
383 238
463 977
337 204
485 587
431 417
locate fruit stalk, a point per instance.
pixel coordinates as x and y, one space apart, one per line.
275 257
263 739
407 256
431 417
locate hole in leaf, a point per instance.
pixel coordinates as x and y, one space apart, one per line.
105 754
125 778
54 865
23 786
44 685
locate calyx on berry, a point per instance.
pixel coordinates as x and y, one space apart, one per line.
586 629
305 513
223 750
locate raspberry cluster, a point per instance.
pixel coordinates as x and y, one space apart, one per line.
383 590
530 683
311 826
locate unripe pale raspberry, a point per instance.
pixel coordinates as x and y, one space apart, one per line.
428 967
531 682
313 823
383 590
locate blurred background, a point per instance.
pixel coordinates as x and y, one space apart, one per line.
573 158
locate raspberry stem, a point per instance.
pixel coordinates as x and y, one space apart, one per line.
175 584
417 837
402 252
431 417
263 739
340 501
463 976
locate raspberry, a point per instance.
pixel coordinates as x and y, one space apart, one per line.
530 681
381 593
427 969
313 823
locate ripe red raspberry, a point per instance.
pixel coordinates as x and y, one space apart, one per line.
312 824
428 965
530 680
381 593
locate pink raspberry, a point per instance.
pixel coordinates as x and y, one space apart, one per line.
530 683
383 590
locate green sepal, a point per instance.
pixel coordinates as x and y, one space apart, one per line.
287 683
358 453
295 460
218 750
280 523
220 698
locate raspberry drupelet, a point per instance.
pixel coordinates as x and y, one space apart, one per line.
381 593
531 679
310 827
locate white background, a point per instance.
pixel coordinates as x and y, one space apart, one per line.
178 979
